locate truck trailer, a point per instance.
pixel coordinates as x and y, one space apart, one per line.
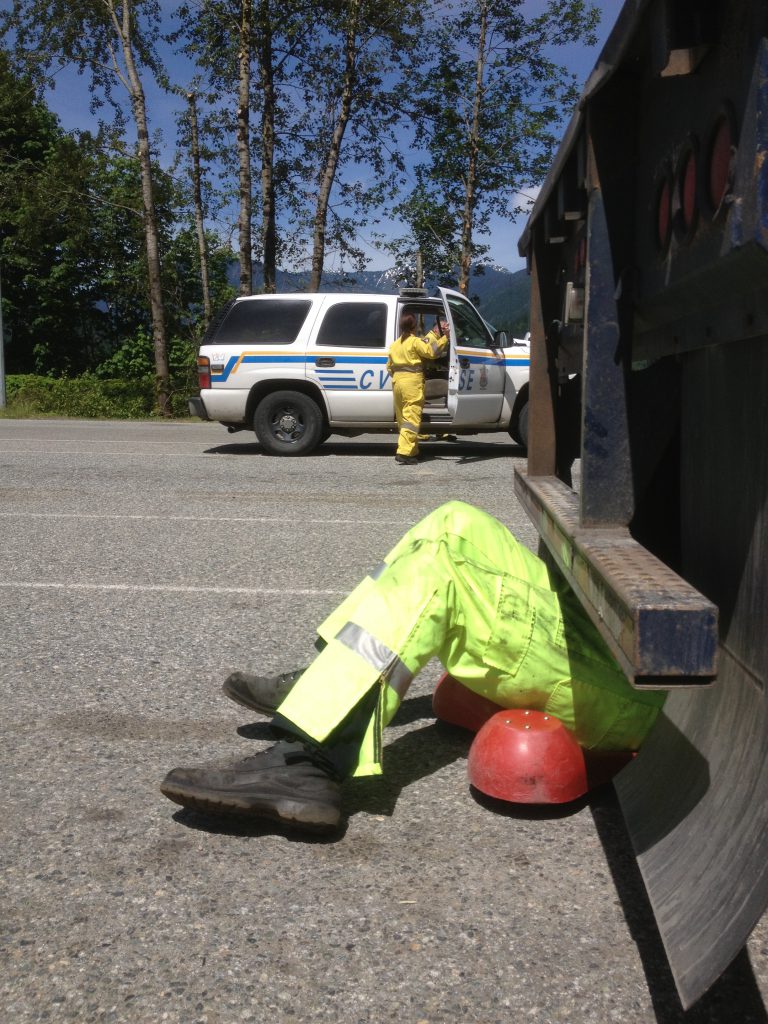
648 254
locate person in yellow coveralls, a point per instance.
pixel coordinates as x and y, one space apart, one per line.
407 358
460 587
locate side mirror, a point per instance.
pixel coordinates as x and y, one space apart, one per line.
500 339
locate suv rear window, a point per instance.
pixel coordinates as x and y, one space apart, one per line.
354 325
263 322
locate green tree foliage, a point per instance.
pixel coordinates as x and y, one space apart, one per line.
114 42
104 250
488 112
73 245
250 50
350 120
49 290
117 222
431 244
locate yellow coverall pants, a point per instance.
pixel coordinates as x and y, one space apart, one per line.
408 390
460 587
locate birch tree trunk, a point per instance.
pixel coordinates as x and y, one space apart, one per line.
122 22
267 81
465 264
243 146
197 196
332 157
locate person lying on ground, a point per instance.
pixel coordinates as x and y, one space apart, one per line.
458 586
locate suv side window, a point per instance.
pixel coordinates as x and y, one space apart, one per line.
354 325
263 322
470 329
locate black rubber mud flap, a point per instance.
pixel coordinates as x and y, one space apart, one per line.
696 805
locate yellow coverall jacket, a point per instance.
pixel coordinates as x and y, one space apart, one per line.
461 588
406 367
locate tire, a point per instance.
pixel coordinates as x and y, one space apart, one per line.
518 427
522 426
288 423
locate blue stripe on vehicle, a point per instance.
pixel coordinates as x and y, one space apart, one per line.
352 359
237 360
307 359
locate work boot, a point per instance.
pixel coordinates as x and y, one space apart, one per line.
260 693
287 783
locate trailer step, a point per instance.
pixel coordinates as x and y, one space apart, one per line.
660 629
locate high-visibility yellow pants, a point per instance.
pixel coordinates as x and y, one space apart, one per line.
460 587
408 390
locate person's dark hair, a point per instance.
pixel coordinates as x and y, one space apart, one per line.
407 323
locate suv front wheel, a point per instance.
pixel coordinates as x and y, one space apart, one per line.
288 423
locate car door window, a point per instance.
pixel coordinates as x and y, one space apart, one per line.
470 329
354 325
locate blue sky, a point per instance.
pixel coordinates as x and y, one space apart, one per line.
70 100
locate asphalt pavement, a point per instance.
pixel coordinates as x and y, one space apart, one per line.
142 563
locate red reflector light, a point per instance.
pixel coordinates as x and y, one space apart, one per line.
688 190
720 153
203 373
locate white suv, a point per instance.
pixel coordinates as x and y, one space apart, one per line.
300 367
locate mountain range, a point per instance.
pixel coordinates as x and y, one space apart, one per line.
502 296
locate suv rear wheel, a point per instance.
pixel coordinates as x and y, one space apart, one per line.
288 423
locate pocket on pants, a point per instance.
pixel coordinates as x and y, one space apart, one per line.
528 634
512 630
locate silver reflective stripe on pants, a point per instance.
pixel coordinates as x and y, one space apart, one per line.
378 655
375 573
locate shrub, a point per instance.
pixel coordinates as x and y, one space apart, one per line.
135 359
90 397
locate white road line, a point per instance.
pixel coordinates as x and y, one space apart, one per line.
402 523
116 455
101 440
169 588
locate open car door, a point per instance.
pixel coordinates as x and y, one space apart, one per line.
476 372
454 370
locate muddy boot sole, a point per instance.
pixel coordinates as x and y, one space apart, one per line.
294 814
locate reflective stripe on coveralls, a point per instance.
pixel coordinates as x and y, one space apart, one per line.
390 667
460 587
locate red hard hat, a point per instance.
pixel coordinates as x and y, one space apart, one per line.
527 757
455 704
